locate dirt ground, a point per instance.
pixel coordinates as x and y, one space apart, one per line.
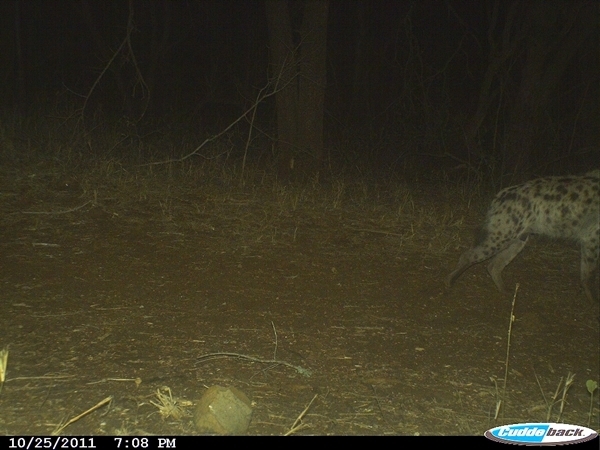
117 287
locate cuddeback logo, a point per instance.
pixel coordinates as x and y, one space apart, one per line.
540 434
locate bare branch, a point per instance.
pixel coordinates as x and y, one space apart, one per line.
272 87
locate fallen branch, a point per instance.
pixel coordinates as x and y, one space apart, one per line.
300 370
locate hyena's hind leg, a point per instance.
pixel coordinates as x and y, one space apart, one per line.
503 259
472 256
589 264
466 260
500 259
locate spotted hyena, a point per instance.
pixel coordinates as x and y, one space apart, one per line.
557 207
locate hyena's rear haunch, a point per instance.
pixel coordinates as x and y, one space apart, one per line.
557 207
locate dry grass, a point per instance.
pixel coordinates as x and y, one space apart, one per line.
206 195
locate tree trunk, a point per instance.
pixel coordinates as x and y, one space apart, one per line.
284 69
556 34
546 36
502 49
313 80
300 71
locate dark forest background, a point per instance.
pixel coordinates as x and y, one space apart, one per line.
506 89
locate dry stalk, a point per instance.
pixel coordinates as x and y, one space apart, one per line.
3 366
563 400
168 406
537 380
85 413
553 402
3 363
297 427
512 319
591 386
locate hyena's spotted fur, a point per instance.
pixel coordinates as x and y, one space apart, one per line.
557 207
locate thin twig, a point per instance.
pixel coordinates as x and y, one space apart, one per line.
262 96
57 212
370 230
137 381
131 55
44 377
275 333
